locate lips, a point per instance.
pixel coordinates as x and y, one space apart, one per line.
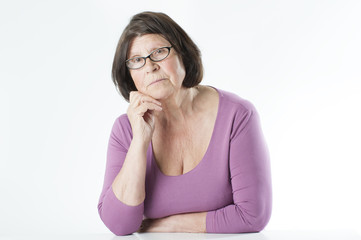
158 80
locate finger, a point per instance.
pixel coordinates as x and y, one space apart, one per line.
137 97
141 109
145 98
149 117
131 95
134 101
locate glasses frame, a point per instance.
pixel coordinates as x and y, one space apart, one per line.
145 58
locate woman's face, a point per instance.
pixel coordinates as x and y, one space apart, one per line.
156 79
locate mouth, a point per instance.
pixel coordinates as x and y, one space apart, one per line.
158 80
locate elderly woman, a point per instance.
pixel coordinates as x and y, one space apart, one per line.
185 157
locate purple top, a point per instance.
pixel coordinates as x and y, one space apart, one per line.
232 183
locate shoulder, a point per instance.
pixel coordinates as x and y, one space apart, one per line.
237 109
123 120
121 128
234 103
240 111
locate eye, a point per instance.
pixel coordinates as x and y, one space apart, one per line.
159 51
135 60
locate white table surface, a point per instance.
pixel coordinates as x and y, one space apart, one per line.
264 235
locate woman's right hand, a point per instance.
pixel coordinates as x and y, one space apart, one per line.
141 115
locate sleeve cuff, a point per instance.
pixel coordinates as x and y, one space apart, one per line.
209 222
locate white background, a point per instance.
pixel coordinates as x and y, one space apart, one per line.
298 62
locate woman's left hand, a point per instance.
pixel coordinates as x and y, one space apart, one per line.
186 222
165 224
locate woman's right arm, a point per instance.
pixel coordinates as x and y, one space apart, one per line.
121 204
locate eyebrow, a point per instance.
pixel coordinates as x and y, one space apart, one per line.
137 54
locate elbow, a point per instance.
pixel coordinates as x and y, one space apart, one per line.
256 221
122 231
120 226
257 225
260 222
254 224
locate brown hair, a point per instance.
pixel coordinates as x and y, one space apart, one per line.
156 23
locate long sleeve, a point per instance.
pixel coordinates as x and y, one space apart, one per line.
250 175
120 218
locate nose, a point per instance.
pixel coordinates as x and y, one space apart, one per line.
150 66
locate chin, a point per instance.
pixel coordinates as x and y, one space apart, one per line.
160 95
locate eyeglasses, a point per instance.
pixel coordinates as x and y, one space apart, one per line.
156 55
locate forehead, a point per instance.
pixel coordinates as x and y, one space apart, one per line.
146 43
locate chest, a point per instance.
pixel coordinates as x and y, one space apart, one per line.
179 152
206 188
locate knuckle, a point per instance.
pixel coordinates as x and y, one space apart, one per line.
131 95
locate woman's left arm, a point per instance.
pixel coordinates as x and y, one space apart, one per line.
251 184
250 174
187 222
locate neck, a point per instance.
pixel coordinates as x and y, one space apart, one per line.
176 108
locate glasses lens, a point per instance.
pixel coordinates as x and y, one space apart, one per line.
135 62
159 54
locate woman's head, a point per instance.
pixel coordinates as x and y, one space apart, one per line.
145 28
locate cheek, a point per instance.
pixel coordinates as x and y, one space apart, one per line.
137 79
175 68
180 71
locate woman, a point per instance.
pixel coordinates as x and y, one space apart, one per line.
185 157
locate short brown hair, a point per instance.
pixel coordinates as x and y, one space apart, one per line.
156 23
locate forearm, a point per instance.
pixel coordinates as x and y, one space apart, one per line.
191 222
187 222
129 184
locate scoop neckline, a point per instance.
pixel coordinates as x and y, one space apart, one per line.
205 154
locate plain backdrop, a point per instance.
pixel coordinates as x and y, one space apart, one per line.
298 62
